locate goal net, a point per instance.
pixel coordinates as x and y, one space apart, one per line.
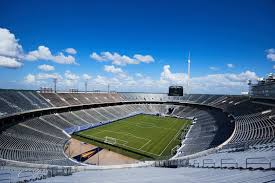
110 140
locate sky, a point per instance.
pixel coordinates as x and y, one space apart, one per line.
136 45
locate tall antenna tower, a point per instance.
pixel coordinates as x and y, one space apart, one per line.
86 85
108 88
54 82
188 80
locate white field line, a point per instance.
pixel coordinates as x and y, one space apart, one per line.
144 144
125 133
148 140
130 147
123 144
155 126
171 140
129 134
124 141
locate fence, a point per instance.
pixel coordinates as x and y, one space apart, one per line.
12 171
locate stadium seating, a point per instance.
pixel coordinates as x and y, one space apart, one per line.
19 101
164 175
226 131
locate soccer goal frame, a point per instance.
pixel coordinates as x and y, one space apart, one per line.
174 149
110 140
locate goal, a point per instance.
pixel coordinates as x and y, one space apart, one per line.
174 150
110 140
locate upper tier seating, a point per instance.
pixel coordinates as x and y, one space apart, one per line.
19 101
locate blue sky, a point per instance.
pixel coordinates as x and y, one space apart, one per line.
217 33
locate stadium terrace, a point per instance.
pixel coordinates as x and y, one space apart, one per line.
49 134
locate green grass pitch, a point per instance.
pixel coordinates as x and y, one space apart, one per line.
139 137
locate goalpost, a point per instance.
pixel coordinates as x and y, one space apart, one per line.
110 140
174 150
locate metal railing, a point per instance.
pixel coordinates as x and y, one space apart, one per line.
225 161
25 175
196 162
266 161
172 163
206 162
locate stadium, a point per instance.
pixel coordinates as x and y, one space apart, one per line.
223 133
102 91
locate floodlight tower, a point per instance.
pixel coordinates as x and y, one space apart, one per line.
188 79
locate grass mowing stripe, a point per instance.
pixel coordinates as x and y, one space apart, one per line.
146 135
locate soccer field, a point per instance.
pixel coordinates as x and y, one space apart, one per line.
141 136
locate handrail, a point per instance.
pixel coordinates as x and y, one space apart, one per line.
37 173
228 163
19 176
257 163
208 163
271 160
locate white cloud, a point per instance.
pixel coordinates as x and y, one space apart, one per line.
115 70
214 83
144 58
29 79
270 54
9 62
226 83
71 51
44 53
71 76
86 77
62 59
41 78
9 45
242 77
97 57
139 75
101 80
112 69
121 60
13 52
173 78
45 67
213 68
230 65
45 76
10 50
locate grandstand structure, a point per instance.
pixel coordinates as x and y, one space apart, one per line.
228 133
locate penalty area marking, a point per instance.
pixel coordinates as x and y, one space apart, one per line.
152 125
102 139
172 139
124 144
145 125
